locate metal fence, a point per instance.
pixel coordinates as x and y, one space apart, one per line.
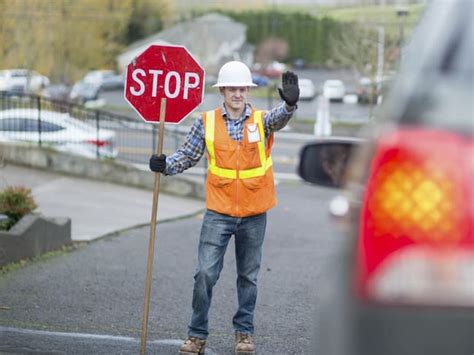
85 131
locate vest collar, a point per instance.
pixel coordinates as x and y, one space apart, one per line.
247 112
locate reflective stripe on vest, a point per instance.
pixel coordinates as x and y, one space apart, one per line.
266 163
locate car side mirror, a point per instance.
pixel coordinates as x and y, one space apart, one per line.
325 162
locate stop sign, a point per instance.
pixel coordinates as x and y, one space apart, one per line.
168 72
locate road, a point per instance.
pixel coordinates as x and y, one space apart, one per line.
90 301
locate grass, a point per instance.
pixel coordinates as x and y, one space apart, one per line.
373 13
367 14
354 13
380 15
40 258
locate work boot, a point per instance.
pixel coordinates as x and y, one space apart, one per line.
244 344
192 346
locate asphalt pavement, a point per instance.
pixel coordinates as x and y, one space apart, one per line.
90 300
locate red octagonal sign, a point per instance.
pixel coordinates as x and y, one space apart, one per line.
168 72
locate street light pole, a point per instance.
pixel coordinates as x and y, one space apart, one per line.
380 60
402 13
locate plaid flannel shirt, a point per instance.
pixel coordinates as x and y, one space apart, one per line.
193 147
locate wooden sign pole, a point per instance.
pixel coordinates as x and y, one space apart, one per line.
151 244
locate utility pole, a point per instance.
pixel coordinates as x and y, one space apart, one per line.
380 59
402 14
271 86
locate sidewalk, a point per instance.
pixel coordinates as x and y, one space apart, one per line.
95 208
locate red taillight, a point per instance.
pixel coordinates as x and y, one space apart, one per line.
99 143
419 195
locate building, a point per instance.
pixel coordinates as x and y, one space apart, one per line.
212 39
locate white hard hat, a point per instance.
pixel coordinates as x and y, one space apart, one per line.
234 74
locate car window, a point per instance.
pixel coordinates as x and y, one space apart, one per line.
12 125
32 126
444 98
18 75
27 125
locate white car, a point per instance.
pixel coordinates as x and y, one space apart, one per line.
83 92
19 81
104 79
307 89
334 90
59 131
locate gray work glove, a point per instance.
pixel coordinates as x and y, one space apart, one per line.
158 163
290 92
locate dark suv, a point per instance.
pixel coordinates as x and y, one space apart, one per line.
402 280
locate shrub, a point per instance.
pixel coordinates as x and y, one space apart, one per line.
15 202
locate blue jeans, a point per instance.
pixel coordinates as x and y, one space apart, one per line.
216 232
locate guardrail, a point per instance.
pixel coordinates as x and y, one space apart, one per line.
67 126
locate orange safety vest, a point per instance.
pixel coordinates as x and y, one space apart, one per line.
240 175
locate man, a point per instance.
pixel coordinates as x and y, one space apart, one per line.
239 191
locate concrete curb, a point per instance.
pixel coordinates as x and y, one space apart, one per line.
142 225
32 236
102 170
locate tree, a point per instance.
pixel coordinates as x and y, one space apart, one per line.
271 49
363 49
148 17
356 46
64 38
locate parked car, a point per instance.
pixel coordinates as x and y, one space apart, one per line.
271 70
299 63
104 79
260 80
57 130
401 280
20 81
307 89
334 90
83 92
366 91
370 91
59 92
